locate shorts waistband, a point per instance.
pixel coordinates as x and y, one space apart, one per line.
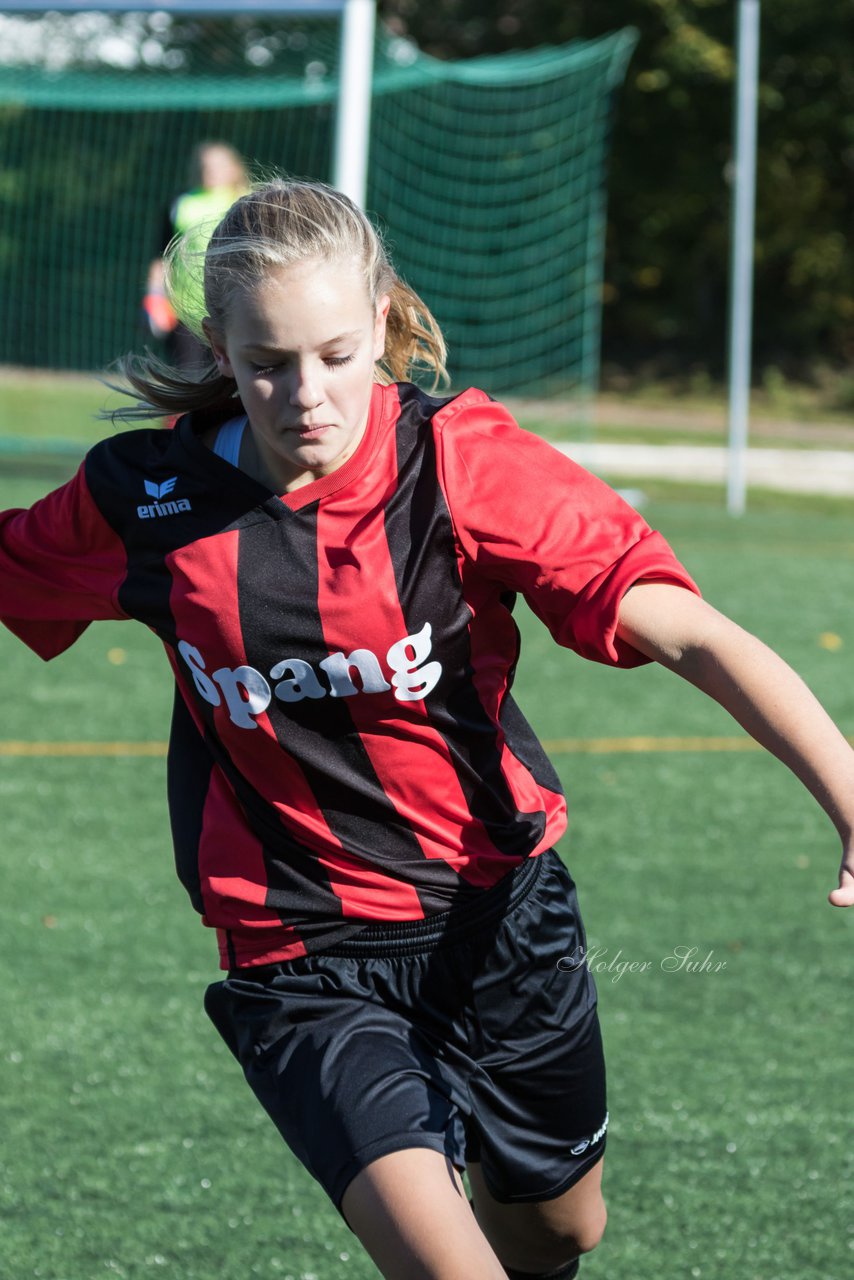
445 928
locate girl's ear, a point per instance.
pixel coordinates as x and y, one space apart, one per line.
217 345
380 324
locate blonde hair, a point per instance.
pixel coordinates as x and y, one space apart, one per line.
276 225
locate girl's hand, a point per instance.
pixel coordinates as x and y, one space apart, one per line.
844 895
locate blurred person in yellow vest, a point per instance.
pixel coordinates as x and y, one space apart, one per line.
218 178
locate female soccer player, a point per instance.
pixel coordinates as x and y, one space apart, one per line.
217 177
330 557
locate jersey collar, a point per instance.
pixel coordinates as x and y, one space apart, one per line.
190 426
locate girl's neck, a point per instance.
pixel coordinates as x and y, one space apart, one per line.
252 463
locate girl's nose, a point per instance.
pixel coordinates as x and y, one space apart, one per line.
306 391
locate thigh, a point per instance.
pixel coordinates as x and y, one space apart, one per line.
539 1236
410 1212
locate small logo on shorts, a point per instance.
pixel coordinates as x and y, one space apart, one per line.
581 1147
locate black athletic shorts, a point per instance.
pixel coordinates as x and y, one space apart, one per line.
460 1033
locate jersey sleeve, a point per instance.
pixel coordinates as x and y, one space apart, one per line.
535 522
61 565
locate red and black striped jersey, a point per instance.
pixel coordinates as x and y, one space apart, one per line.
344 747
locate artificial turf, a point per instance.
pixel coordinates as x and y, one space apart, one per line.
131 1144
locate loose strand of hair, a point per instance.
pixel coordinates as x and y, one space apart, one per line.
159 389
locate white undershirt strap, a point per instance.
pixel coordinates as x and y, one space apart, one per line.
228 439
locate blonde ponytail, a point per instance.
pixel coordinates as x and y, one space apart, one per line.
413 338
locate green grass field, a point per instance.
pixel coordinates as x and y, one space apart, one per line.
131 1144
58 413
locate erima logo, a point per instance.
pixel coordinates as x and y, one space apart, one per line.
160 490
247 693
581 1147
158 508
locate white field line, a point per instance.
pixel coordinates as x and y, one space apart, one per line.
828 471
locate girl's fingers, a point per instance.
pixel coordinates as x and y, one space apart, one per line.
844 895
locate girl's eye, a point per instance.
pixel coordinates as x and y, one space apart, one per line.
332 362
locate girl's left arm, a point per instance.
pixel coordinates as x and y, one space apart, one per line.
682 632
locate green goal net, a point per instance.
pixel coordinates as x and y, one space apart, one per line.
487 176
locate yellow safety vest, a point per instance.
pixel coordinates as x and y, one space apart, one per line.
195 216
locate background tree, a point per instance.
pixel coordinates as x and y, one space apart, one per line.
668 234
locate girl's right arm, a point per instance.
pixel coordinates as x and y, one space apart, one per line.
61 566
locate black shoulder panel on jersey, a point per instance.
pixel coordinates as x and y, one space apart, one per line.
415 401
158 497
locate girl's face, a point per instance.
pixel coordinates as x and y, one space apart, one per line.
220 167
301 347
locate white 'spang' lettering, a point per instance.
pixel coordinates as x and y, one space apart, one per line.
412 681
246 693
254 699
